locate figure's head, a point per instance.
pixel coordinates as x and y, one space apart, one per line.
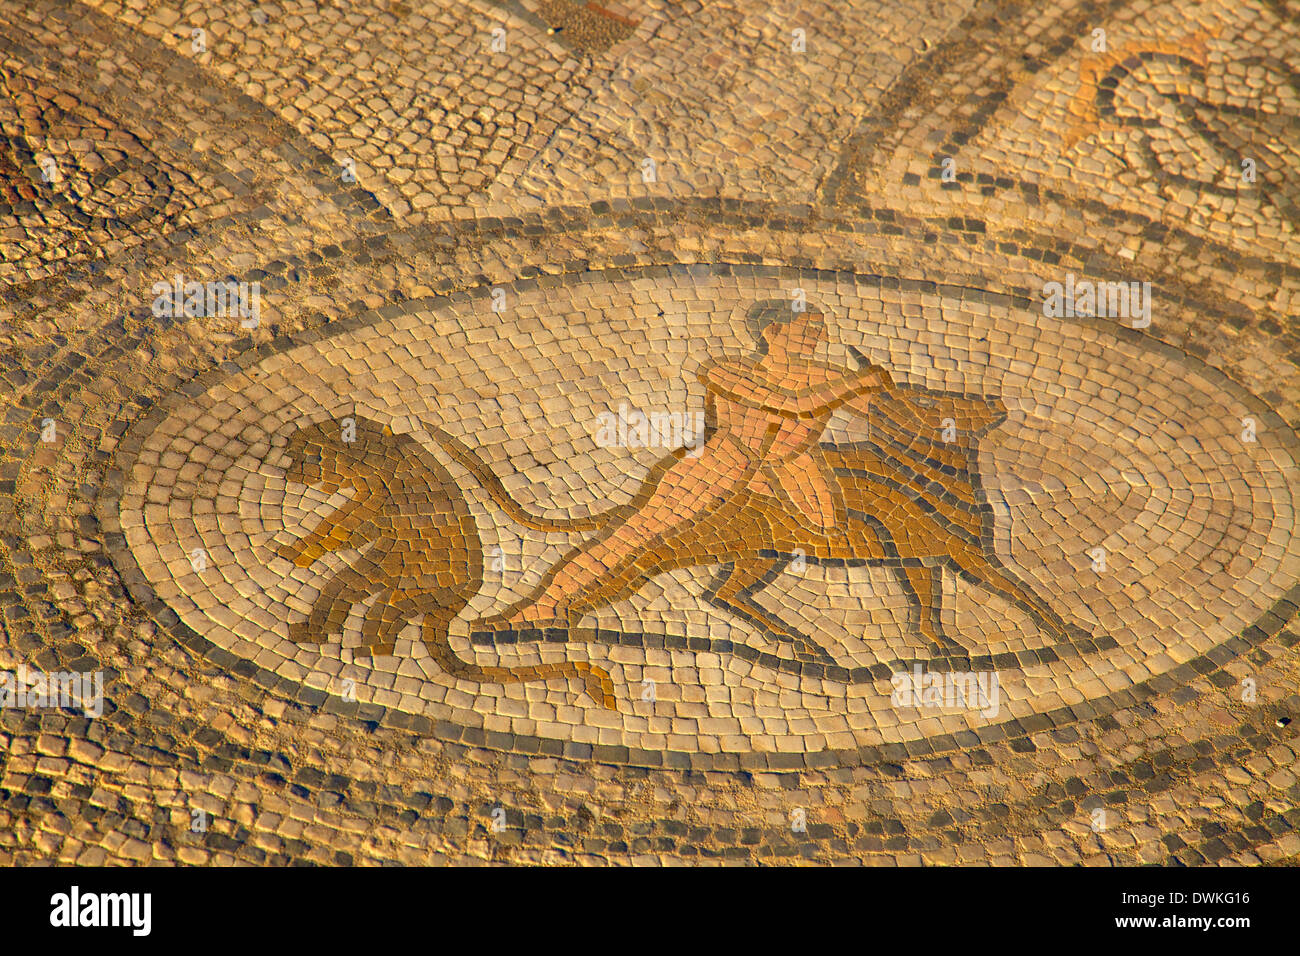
779 330
329 453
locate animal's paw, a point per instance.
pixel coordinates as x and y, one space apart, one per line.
599 687
806 648
940 647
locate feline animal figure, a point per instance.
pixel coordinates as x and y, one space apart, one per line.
424 555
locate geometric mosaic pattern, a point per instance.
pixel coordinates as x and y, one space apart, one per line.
667 432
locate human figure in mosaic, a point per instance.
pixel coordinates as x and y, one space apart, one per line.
765 487
765 413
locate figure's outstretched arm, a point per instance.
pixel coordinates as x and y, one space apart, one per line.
734 381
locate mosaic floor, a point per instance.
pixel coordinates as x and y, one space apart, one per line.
650 432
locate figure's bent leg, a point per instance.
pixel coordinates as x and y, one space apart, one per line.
689 488
811 489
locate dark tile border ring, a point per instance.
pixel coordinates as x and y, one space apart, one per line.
1267 626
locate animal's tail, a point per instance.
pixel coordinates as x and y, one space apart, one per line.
475 465
599 687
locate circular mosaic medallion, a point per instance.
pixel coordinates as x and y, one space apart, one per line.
716 509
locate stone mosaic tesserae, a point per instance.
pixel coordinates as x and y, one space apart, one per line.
649 432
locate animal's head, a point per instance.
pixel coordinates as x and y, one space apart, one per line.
331 453
955 416
975 414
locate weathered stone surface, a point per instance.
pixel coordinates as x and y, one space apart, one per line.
586 412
